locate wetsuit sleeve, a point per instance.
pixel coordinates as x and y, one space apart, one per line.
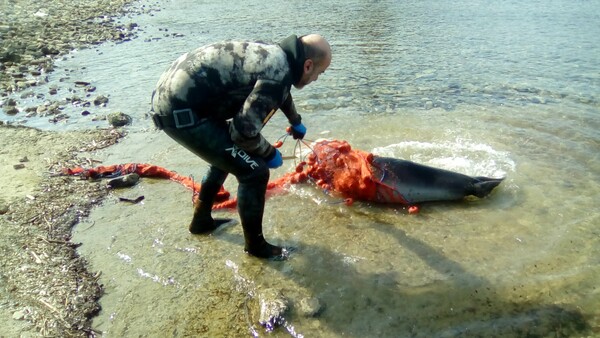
289 109
260 104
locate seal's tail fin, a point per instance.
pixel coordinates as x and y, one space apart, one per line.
485 185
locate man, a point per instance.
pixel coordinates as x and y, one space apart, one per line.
216 99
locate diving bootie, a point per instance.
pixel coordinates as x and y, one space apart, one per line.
259 247
202 221
251 206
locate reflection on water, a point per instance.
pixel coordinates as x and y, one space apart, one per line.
387 54
482 88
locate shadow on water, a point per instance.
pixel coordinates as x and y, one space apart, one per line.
460 304
483 314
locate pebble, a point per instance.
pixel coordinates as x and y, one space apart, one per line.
10 102
124 181
19 315
100 100
119 119
272 307
41 108
310 307
3 208
11 110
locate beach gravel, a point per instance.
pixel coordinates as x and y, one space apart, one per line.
34 33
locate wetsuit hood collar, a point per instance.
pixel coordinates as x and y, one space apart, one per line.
294 50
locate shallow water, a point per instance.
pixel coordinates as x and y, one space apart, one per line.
481 88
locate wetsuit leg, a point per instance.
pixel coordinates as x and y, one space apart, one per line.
211 184
251 205
202 221
211 141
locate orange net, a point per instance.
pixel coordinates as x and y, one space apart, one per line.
342 171
332 165
144 170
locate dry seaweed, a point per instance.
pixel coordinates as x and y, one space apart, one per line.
47 281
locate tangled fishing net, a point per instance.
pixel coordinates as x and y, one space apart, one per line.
342 172
332 165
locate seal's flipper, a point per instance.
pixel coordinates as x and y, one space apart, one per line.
485 185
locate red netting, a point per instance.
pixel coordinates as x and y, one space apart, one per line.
350 173
333 166
144 170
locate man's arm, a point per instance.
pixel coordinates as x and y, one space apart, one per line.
289 109
259 106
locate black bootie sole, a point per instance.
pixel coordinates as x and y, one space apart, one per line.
205 229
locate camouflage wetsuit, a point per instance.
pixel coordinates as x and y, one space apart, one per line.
230 90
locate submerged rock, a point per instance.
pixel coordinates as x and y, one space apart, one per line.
272 307
310 307
100 100
11 110
119 119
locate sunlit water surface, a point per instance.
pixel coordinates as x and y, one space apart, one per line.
477 87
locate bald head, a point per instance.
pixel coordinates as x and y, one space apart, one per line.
318 57
317 49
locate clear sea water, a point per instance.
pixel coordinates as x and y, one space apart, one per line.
502 88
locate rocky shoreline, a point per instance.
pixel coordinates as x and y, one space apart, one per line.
45 287
34 35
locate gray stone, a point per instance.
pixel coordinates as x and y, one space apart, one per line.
11 110
19 315
310 307
124 181
4 207
119 119
100 100
272 307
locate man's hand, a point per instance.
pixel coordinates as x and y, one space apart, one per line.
275 160
298 131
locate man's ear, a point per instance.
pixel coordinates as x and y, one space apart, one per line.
308 66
